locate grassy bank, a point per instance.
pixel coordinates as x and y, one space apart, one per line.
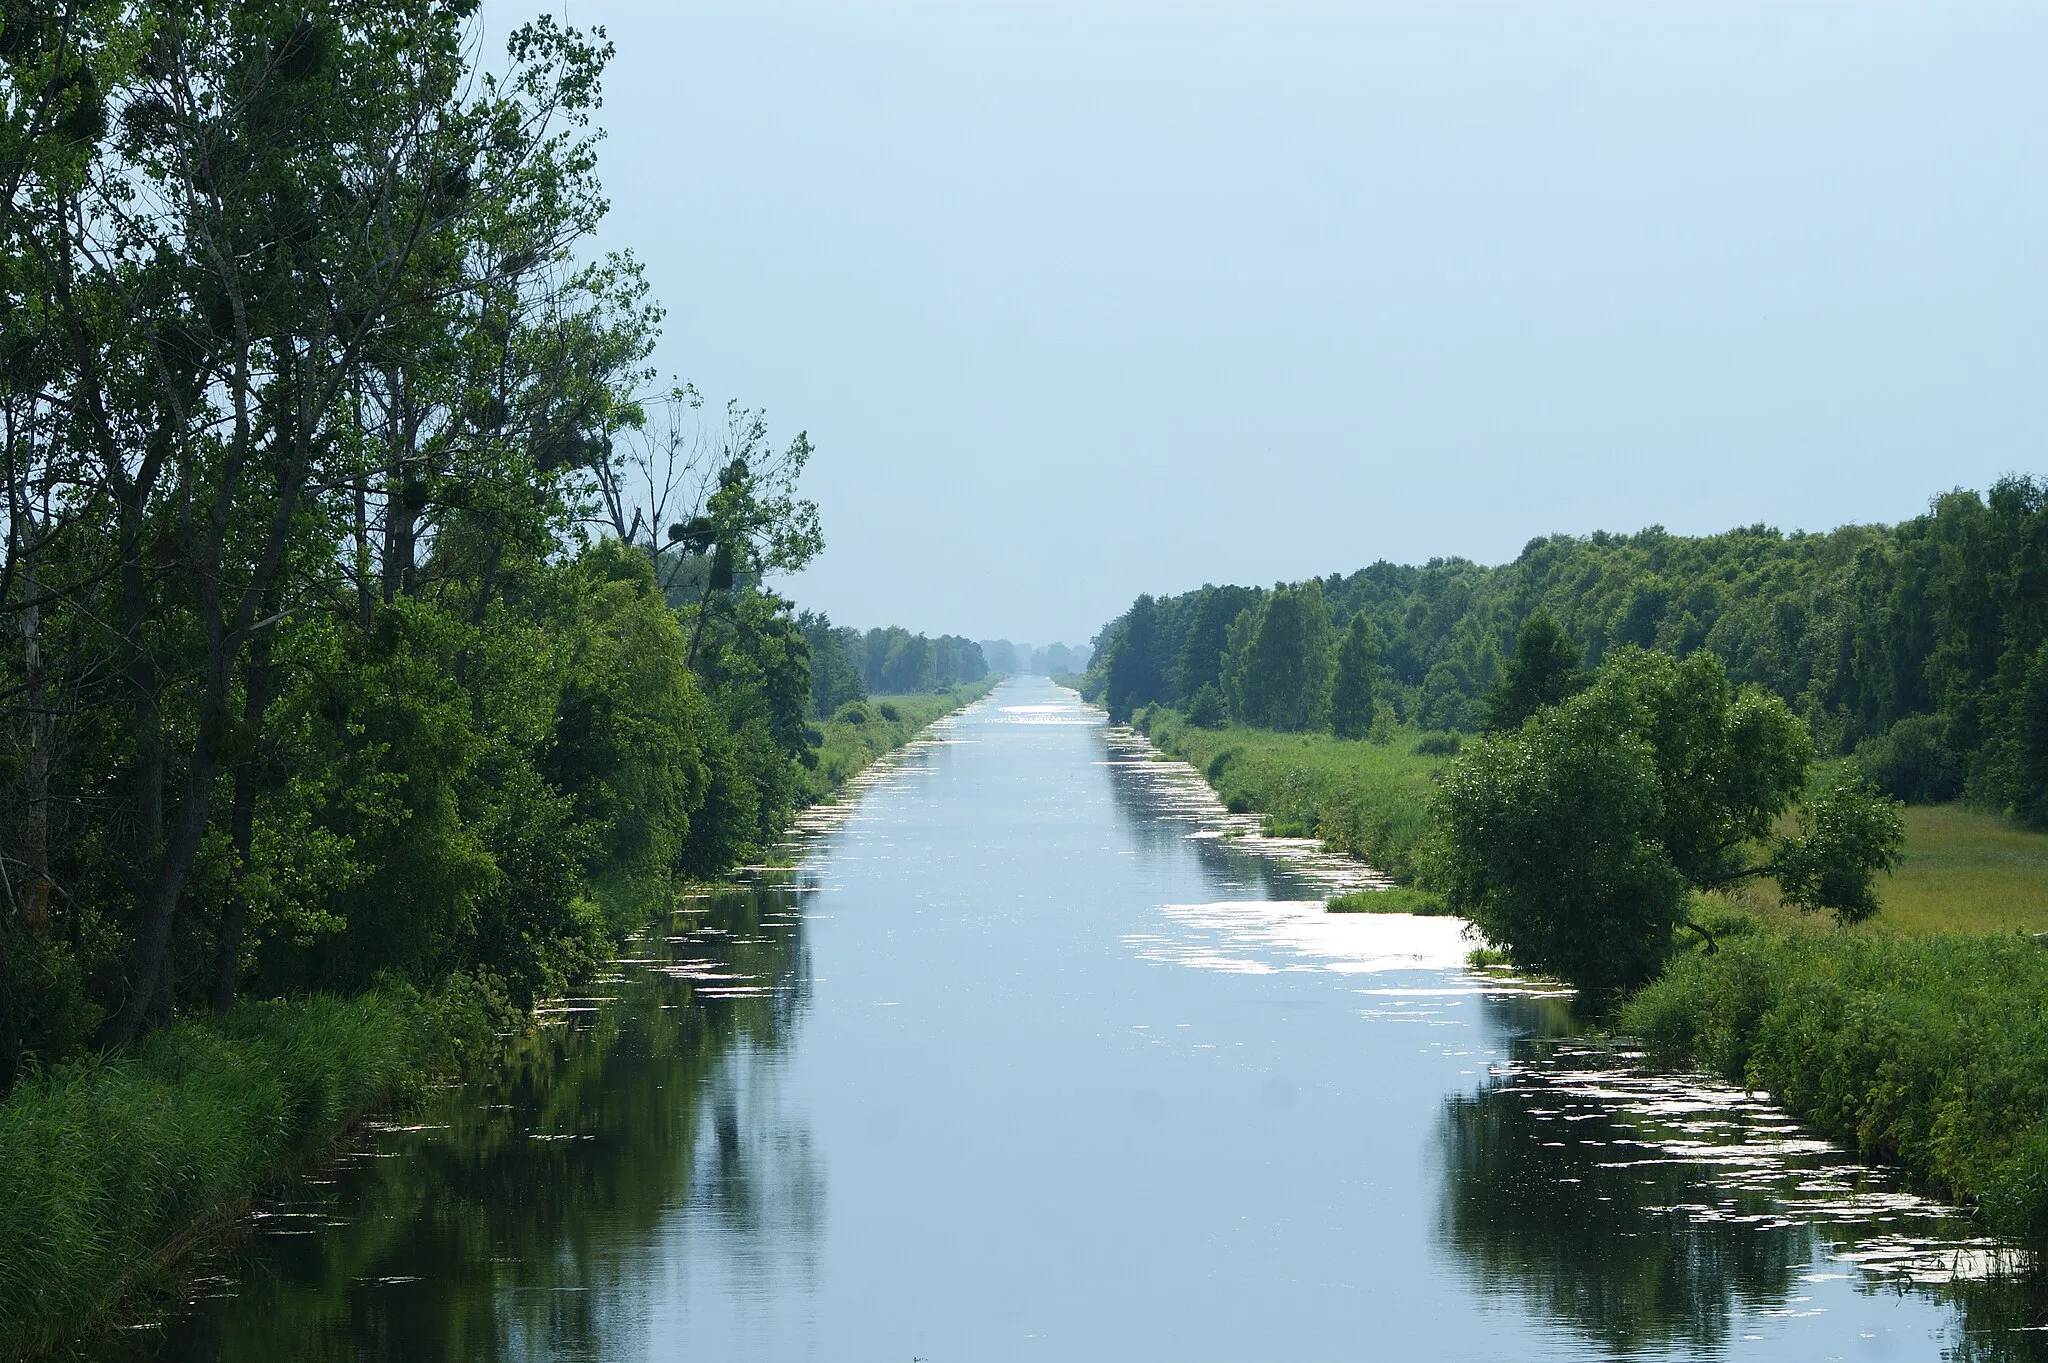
111 1170
867 729
1368 799
1930 1053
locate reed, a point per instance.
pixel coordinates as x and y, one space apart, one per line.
109 1166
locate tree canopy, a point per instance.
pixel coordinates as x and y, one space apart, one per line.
1574 840
1921 647
367 619
1352 698
1276 668
1543 671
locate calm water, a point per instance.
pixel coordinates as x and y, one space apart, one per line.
1034 1058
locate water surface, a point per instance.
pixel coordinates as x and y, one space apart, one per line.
1041 1055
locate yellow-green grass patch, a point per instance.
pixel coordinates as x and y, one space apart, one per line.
1963 870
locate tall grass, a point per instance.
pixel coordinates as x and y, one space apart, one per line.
1369 799
1926 1052
106 1166
864 730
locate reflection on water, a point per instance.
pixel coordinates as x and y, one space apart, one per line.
1044 1055
511 1218
1658 1213
1164 805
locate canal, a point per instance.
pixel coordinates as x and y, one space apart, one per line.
1039 1054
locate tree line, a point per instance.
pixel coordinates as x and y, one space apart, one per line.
1920 647
848 665
366 622
1054 659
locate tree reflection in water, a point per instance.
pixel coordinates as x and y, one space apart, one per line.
1537 1206
1650 1214
519 1217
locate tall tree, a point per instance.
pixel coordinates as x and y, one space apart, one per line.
1137 665
1198 658
1277 675
1352 695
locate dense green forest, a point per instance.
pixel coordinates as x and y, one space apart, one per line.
367 623
1920 647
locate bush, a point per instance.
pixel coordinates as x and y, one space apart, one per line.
1913 761
1438 745
1930 1053
889 712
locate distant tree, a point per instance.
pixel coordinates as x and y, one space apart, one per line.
835 673
1352 695
908 666
1199 660
1277 675
956 661
1001 655
1573 840
1544 671
1137 675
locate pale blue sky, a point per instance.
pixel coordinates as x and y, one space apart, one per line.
1080 300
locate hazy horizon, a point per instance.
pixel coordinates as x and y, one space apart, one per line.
1083 301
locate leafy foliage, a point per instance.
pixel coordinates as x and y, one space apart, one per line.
1926 1052
1941 620
1543 672
1572 842
367 623
1548 843
1352 699
1276 669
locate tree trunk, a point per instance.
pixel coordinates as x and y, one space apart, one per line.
35 852
227 969
149 963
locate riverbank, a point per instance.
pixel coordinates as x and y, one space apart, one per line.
1919 1038
1928 1053
115 1169
112 1170
1370 799
864 730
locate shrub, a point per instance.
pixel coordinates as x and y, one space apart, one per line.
1913 761
889 712
1438 745
1206 710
